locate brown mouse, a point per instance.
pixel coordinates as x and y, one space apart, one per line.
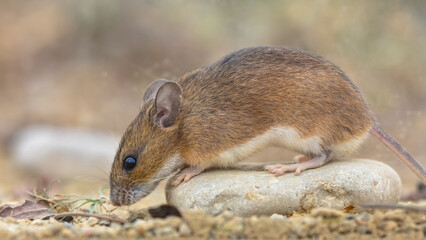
218 115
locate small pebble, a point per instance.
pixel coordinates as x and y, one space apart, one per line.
326 213
127 225
234 224
35 222
24 221
51 220
227 214
65 232
104 223
68 225
362 218
395 215
115 225
310 221
390 226
164 231
54 228
114 232
11 220
254 218
277 216
132 233
346 226
92 221
184 230
87 232
139 225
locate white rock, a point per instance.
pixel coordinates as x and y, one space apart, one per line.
64 152
337 185
277 216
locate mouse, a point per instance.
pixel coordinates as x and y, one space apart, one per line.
218 115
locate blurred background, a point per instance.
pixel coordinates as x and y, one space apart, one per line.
81 67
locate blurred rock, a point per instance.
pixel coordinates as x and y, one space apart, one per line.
416 195
336 185
63 152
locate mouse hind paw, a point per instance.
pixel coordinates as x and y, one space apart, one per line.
297 168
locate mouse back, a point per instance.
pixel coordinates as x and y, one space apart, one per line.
251 91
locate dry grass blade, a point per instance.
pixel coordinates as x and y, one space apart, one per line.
62 203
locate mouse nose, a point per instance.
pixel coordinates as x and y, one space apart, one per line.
114 197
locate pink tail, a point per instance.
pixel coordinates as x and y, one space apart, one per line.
400 152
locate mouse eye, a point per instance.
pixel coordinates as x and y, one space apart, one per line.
129 163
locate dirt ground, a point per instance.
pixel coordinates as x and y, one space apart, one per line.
317 224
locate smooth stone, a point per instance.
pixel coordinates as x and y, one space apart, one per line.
338 184
59 152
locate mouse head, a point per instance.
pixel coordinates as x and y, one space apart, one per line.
148 149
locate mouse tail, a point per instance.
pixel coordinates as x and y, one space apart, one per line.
399 151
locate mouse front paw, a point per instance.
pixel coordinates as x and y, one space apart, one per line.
186 174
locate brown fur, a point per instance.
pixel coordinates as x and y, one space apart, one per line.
251 90
239 97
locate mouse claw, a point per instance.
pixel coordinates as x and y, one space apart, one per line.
276 169
186 174
178 179
298 171
270 168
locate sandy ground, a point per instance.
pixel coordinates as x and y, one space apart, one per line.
317 224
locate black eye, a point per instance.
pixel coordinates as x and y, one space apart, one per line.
129 163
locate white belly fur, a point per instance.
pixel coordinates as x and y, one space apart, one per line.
287 138
279 136
342 150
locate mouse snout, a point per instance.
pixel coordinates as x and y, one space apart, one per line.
126 195
121 196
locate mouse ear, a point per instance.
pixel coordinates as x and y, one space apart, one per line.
152 89
167 104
